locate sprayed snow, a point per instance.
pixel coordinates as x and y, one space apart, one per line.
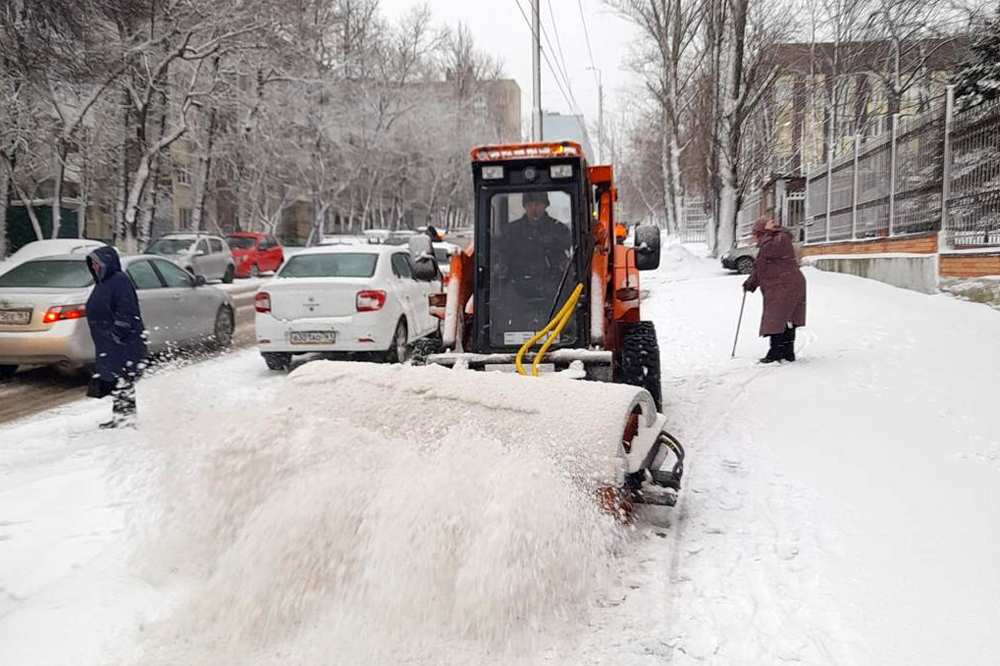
444 528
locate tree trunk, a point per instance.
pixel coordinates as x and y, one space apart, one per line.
4 199
57 191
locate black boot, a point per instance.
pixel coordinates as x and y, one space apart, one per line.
789 346
776 351
123 405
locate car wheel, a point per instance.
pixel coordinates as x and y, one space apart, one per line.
399 350
7 372
745 265
254 271
230 273
277 361
222 333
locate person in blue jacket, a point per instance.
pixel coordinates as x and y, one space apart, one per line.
118 333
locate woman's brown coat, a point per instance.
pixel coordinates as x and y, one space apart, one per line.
776 272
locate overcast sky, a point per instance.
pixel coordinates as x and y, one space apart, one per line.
500 29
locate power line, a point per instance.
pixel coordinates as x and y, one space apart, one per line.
586 33
545 55
569 97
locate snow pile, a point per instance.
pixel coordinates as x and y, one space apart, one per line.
678 262
353 522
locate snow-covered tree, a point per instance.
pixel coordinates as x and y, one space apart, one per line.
978 78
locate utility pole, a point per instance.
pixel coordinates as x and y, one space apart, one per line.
536 70
600 113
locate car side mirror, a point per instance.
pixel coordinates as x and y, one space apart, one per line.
425 266
198 253
200 281
647 247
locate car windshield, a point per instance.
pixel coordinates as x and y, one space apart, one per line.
530 249
167 246
339 265
240 242
55 274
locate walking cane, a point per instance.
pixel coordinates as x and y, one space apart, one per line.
738 322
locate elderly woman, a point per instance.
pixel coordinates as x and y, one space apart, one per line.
118 333
776 272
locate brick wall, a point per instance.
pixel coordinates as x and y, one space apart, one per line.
969 265
920 244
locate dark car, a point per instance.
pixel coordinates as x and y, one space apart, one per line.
255 253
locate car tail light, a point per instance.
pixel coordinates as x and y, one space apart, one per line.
370 300
437 300
262 301
62 312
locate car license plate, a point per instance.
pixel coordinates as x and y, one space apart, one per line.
543 368
312 337
520 337
15 317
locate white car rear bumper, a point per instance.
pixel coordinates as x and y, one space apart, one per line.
364 332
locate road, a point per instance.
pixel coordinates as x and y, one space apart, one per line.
39 389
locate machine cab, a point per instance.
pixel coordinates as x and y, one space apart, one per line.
532 235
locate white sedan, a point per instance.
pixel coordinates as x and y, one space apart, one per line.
344 298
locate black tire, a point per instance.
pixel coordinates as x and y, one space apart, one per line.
277 361
7 372
744 265
638 359
398 350
423 348
222 332
229 275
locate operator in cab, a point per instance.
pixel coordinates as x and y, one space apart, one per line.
538 247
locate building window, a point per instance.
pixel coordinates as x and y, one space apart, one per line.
183 177
184 215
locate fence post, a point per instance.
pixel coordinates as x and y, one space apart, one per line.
854 188
892 172
949 116
829 185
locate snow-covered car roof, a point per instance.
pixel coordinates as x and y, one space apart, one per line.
188 236
48 248
343 247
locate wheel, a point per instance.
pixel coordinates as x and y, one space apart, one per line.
745 265
254 271
398 350
230 273
7 372
277 361
638 359
423 348
222 332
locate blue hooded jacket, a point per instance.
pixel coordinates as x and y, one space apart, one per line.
114 318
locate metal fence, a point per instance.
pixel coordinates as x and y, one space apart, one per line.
694 227
974 185
940 165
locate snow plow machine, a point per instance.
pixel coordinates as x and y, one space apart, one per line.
549 289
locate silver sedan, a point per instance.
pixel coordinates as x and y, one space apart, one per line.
43 318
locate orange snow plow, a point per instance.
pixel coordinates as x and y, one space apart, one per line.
550 287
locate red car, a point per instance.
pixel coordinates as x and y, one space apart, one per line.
255 253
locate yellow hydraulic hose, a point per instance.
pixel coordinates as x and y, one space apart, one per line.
553 328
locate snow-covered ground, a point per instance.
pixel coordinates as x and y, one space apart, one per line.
839 510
